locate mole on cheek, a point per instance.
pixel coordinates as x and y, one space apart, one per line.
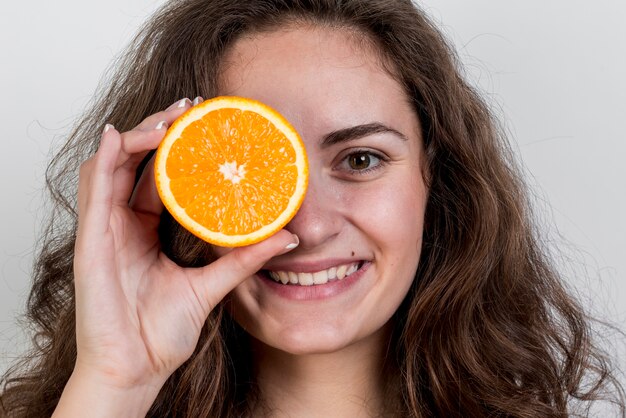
352 253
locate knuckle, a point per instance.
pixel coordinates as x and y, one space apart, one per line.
150 122
242 261
247 260
127 139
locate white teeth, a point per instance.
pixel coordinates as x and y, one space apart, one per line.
318 277
341 271
351 269
283 276
305 279
332 273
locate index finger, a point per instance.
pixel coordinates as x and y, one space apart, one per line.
168 115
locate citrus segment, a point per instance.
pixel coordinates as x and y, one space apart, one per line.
232 171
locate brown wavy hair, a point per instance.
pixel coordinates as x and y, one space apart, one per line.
487 328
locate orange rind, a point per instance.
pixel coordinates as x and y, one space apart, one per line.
232 171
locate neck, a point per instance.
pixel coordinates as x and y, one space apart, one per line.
346 383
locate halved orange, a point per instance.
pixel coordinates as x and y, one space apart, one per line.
232 171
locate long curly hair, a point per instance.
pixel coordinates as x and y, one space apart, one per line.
487 328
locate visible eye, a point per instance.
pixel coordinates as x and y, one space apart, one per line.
361 162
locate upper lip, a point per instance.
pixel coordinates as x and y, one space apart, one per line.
309 266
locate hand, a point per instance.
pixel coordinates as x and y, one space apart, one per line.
138 314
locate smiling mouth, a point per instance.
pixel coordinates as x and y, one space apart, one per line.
314 278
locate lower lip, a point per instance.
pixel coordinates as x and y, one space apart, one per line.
316 291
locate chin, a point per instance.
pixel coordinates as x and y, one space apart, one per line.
308 347
302 341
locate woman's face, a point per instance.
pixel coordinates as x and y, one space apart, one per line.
364 207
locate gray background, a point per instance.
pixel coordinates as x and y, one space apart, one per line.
552 70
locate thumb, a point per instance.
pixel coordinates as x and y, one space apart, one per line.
213 282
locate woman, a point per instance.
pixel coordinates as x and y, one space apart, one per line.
450 308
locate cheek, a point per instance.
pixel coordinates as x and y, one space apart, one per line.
391 213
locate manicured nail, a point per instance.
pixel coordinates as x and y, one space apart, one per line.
183 103
179 104
160 125
107 127
293 245
197 101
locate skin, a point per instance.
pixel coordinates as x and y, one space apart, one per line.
324 81
138 315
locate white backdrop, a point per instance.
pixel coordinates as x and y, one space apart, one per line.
553 70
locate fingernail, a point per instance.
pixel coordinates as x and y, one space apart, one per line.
197 101
160 125
179 104
107 127
293 245
183 103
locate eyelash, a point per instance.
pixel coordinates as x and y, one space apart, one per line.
382 160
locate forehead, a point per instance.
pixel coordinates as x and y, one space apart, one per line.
300 41
319 78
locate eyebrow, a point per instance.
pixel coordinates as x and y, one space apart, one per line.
359 131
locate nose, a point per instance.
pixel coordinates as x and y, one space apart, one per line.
318 220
